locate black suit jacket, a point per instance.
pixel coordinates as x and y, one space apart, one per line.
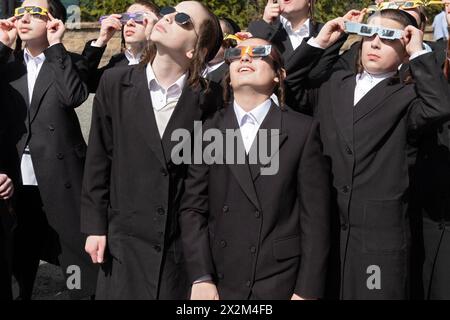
431 205
261 236
93 56
297 95
50 127
368 145
7 217
132 188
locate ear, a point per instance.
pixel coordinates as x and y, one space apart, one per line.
283 73
190 54
283 76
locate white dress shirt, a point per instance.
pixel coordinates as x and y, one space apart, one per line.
164 100
249 122
440 26
132 59
296 36
366 81
34 65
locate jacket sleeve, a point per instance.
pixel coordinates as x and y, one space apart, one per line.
193 221
324 67
93 56
95 192
5 53
314 196
433 102
68 76
264 30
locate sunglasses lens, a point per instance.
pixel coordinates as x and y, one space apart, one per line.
36 10
182 18
259 51
21 11
166 10
233 54
387 34
408 5
365 30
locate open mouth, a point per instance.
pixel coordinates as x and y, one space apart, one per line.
244 69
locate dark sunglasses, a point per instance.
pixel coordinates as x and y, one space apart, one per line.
181 18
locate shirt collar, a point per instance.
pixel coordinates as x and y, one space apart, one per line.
375 77
177 85
132 58
303 30
258 113
28 57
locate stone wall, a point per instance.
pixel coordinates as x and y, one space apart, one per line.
75 39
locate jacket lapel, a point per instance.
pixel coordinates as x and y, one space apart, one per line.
43 82
241 172
375 97
145 118
343 109
273 125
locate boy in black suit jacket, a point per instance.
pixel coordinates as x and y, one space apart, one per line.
46 84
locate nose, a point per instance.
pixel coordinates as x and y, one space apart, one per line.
26 18
246 58
376 42
131 22
169 17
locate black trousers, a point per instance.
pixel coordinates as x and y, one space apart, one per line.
7 223
34 239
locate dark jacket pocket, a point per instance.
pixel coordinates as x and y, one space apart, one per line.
286 248
384 226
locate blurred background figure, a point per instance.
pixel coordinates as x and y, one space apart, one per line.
440 26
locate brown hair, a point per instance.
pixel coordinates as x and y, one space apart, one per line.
402 17
279 89
311 11
209 32
146 3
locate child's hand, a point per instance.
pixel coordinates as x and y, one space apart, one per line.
355 15
6 187
55 30
413 38
272 11
108 28
330 32
8 31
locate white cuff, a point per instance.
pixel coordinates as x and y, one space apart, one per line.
205 278
418 54
313 43
94 44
